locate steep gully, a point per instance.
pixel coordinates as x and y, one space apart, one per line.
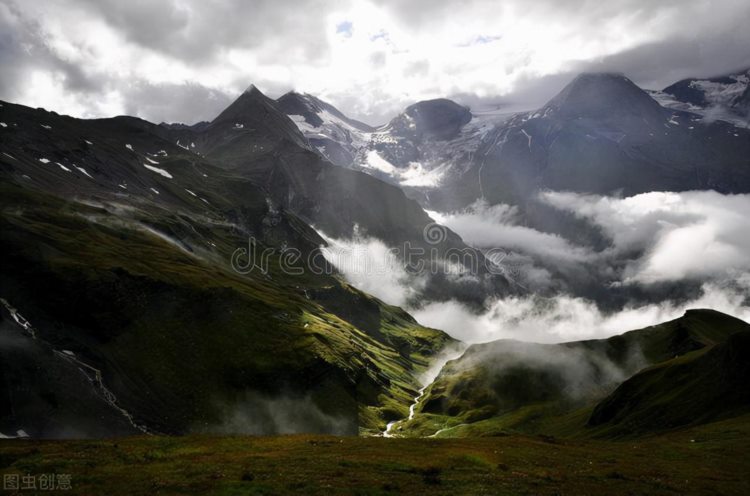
93 374
428 378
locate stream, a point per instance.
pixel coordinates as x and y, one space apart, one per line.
432 373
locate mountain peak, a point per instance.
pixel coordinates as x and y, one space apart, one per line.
252 90
291 94
304 99
603 95
294 103
254 112
312 108
439 118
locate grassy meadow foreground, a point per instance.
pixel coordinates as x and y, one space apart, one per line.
710 459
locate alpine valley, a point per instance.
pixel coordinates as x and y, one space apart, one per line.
132 303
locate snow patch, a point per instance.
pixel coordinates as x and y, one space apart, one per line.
158 171
416 175
129 147
154 190
82 170
721 92
3 124
375 161
44 160
63 167
20 433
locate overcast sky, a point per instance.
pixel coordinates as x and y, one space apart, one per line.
184 60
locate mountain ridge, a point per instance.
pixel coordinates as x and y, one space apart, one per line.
121 242
600 134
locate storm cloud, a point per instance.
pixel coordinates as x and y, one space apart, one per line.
168 60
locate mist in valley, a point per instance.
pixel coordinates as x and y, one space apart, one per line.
664 253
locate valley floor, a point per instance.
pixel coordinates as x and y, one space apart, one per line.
712 459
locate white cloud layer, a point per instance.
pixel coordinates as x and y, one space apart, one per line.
692 235
566 318
683 240
496 226
370 58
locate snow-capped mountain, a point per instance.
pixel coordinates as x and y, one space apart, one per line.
418 149
600 134
335 136
603 134
724 97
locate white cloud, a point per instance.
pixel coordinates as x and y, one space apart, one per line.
566 318
496 226
692 240
415 174
370 265
692 235
656 237
391 54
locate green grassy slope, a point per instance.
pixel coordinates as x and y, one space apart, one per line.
117 242
699 387
181 337
709 459
507 386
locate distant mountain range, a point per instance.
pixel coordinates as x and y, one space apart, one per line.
724 97
600 134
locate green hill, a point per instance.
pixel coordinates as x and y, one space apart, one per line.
507 386
702 386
